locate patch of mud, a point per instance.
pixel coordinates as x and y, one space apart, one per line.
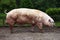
24 33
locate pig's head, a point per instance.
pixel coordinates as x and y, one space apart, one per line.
50 23
47 20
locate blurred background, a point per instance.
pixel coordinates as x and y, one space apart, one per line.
51 7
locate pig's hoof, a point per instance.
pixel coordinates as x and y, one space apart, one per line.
32 31
42 31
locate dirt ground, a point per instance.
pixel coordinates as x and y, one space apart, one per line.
24 33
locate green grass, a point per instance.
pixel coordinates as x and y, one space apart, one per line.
57 24
1 22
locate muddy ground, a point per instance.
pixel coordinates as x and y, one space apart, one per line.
24 33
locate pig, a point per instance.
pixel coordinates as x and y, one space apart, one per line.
29 16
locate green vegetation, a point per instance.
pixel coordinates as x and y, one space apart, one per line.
54 13
1 22
57 24
2 16
36 4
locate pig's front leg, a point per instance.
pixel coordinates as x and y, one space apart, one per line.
40 26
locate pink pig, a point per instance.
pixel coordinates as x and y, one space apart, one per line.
31 16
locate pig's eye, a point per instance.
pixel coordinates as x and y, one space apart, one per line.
49 20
